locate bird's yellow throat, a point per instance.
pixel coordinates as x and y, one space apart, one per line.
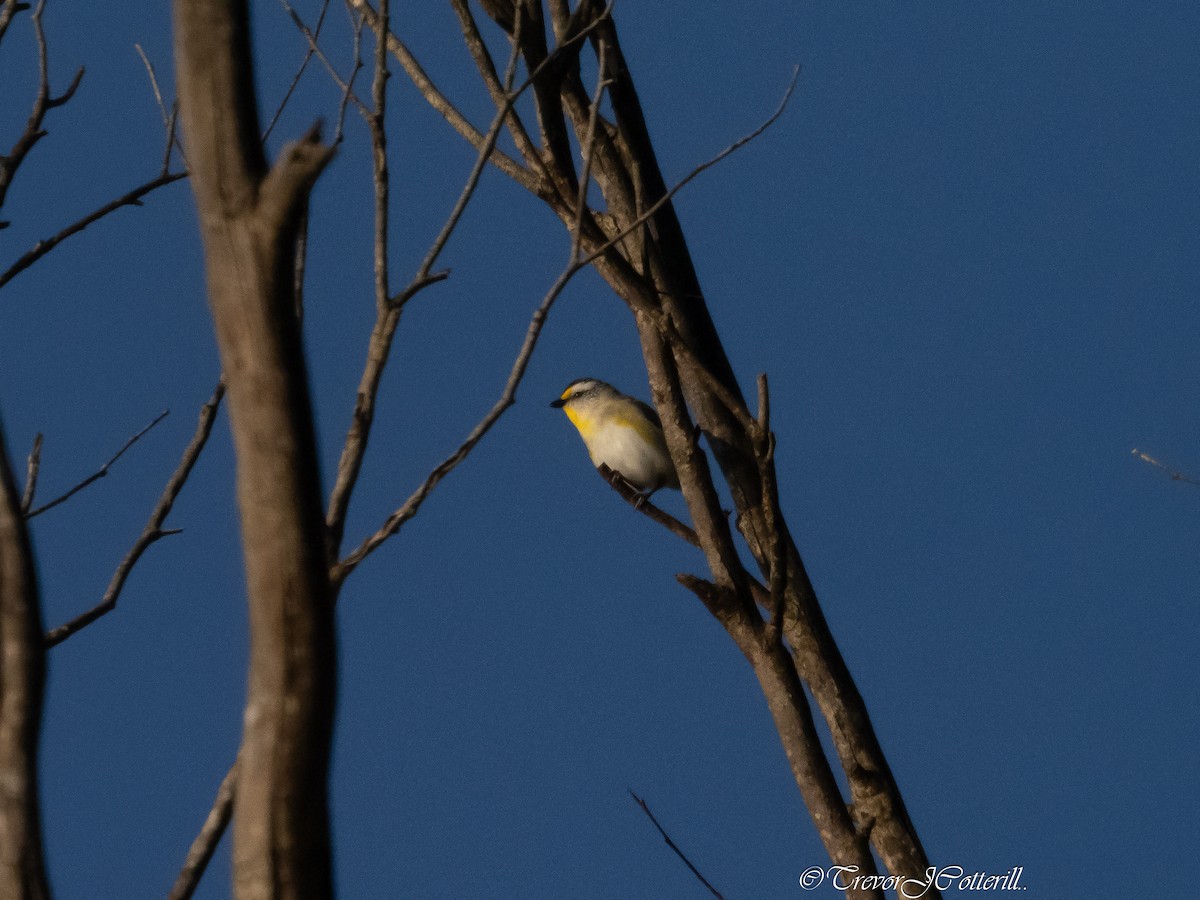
586 426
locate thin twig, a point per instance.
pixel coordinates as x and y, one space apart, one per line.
42 247
413 504
487 70
33 465
158 97
344 84
205 843
704 166
1167 470
172 140
675 847
153 530
168 118
299 73
43 102
356 440
410 507
344 103
387 319
453 116
417 285
481 160
99 473
589 147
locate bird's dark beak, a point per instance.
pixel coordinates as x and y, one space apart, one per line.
558 404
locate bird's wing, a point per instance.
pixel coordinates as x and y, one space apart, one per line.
649 412
641 418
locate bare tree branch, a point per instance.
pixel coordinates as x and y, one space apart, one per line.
670 277
356 439
32 466
499 92
346 85
99 473
377 122
507 398
356 443
42 247
674 847
652 271
205 843
168 117
299 72
43 102
387 319
348 90
1165 469
639 501
448 110
153 530
8 9
413 504
764 442
153 76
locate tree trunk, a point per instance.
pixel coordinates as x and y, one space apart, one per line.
249 219
22 677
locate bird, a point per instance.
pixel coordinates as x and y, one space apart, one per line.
620 432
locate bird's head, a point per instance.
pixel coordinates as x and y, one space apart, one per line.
582 390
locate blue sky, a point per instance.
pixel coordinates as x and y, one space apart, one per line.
966 256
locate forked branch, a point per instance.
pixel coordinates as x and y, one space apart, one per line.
98 474
153 530
43 100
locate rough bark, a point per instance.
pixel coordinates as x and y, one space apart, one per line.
249 219
22 678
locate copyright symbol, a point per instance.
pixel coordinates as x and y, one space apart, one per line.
811 877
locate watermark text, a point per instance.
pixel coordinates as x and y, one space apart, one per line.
940 878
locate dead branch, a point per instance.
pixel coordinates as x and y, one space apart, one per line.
8 9
652 271
436 99
32 466
413 504
153 531
387 320
483 60
42 247
674 847
638 501
345 85
516 374
348 91
378 127
99 473
287 95
43 102
205 843
1173 474
168 117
